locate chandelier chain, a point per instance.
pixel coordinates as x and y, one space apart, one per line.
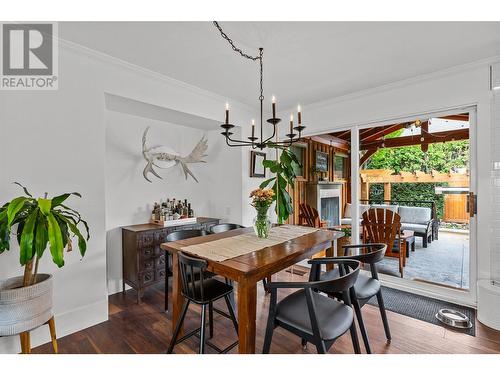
236 49
246 56
273 121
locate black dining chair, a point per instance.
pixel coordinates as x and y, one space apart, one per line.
177 236
311 315
367 285
198 289
224 227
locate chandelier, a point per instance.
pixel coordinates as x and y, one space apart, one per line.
254 141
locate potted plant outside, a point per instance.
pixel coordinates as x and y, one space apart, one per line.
346 239
36 223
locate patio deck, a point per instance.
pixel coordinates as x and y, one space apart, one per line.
444 261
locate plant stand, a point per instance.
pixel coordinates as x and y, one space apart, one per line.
26 339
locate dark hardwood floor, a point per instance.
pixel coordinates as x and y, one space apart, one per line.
145 328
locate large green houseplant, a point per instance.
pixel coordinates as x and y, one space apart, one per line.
36 224
284 175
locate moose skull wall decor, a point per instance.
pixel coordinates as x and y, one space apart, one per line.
163 157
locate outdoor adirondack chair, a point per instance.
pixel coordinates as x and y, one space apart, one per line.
384 226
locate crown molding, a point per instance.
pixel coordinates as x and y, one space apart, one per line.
405 82
109 59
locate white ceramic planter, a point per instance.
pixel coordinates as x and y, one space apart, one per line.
488 302
24 308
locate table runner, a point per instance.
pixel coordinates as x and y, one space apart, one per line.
231 247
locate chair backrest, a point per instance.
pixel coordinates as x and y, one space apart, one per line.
348 270
224 227
185 234
309 215
192 271
369 253
381 226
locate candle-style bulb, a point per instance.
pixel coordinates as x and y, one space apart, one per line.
227 113
273 101
227 106
299 114
291 117
253 122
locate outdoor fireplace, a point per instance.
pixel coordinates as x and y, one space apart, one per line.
326 197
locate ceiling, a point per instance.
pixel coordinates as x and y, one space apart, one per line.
303 61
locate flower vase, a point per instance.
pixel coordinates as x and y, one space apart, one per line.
262 223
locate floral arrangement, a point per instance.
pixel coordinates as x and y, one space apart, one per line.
262 197
262 200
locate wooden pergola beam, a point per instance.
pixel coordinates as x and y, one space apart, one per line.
384 176
368 154
424 133
333 141
345 135
460 117
380 133
446 136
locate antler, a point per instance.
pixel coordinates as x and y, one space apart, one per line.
195 156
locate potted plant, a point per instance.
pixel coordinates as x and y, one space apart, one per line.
36 223
346 239
284 169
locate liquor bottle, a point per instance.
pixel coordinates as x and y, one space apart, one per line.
190 211
153 213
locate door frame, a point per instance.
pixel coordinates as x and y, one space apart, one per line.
463 297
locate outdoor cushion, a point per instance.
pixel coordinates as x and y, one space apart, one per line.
416 215
334 318
392 207
362 208
418 228
348 221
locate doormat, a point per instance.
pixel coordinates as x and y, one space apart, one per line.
422 308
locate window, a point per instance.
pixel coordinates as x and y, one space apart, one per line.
339 166
298 150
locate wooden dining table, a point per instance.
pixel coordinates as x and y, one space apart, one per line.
248 269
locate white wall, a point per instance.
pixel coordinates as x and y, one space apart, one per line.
55 141
129 197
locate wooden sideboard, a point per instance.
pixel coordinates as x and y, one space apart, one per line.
143 262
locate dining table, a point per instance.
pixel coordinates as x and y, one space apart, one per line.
248 269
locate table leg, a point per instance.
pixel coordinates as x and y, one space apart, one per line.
247 306
177 298
331 252
402 256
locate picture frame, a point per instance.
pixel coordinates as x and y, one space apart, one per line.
256 167
321 164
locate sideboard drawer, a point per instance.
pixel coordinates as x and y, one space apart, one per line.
147 277
147 264
147 252
145 239
160 262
